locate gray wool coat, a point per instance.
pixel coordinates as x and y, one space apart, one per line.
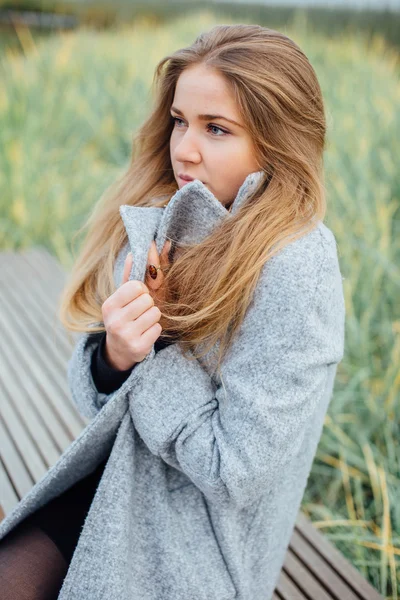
205 475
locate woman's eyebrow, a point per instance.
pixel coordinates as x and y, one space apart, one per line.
207 117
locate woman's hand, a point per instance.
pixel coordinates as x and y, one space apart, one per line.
155 286
131 315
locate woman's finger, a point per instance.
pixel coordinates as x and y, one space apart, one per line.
127 267
153 259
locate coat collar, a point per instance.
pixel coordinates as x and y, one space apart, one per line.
190 215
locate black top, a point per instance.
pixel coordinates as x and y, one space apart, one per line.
62 518
106 378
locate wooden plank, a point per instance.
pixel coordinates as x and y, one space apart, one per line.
303 579
40 308
286 588
32 390
44 296
8 496
335 559
40 254
39 418
14 464
40 264
36 324
21 399
41 368
22 440
49 272
321 570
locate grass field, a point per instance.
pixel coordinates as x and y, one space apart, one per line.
68 107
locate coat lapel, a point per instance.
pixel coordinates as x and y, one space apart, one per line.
140 223
190 215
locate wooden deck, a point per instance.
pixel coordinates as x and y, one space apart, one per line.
38 421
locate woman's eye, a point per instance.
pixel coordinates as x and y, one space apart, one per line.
175 119
219 128
210 125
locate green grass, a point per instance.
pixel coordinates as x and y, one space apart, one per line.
68 109
328 20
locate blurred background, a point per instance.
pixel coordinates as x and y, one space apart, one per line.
75 83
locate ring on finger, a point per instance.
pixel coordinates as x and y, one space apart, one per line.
153 271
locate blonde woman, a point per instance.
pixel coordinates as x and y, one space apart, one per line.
209 301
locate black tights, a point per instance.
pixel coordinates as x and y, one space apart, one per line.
31 565
35 555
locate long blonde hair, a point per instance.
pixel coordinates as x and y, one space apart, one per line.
210 285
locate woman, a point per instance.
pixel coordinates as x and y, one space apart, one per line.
208 385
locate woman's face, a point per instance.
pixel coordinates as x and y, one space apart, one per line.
216 150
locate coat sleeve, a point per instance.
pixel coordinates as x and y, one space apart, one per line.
84 393
234 440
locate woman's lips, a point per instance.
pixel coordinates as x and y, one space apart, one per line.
184 181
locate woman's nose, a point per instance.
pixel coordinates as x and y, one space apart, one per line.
187 149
